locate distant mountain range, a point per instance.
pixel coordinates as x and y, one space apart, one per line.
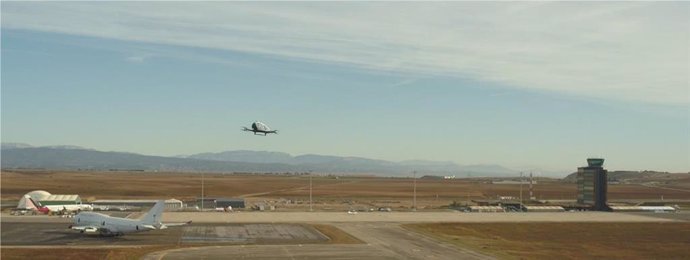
18 155
637 176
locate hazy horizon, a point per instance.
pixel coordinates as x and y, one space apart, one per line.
515 84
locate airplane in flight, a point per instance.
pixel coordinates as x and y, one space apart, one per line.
104 225
260 128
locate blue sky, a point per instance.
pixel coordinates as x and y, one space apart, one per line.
609 79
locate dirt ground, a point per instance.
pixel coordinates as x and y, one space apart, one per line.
668 240
292 192
80 253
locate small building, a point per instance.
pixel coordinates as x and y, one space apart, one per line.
544 209
212 202
643 208
506 203
487 209
235 203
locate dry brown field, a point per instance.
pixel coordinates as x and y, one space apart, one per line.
668 240
328 192
67 253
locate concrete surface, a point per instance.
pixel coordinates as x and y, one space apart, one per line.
16 234
383 241
286 235
251 233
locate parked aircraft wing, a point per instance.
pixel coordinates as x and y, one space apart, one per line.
89 229
167 225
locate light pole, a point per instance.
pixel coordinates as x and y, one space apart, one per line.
520 190
202 191
414 192
310 192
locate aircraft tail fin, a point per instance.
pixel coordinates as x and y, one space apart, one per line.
35 205
153 217
31 203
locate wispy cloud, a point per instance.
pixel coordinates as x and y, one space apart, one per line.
136 58
619 51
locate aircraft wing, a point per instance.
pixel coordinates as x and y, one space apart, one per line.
89 229
166 225
178 224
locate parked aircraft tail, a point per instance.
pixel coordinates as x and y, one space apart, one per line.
41 209
155 214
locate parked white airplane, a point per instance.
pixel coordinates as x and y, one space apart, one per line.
92 222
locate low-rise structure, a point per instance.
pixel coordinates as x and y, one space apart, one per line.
544 209
643 208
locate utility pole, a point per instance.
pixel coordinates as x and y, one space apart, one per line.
531 194
520 190
414 196
310 188
468 198
202 191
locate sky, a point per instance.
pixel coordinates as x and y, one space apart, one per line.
521 84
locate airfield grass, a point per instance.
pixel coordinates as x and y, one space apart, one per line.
663 240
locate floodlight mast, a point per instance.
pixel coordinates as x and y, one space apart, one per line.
520 190
414 192
202 191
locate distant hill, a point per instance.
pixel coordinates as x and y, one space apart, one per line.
245 156
72 157
634 176
339 164
67 158
15 145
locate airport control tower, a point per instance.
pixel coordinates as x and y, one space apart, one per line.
591 184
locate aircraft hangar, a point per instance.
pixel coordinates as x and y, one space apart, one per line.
170 204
